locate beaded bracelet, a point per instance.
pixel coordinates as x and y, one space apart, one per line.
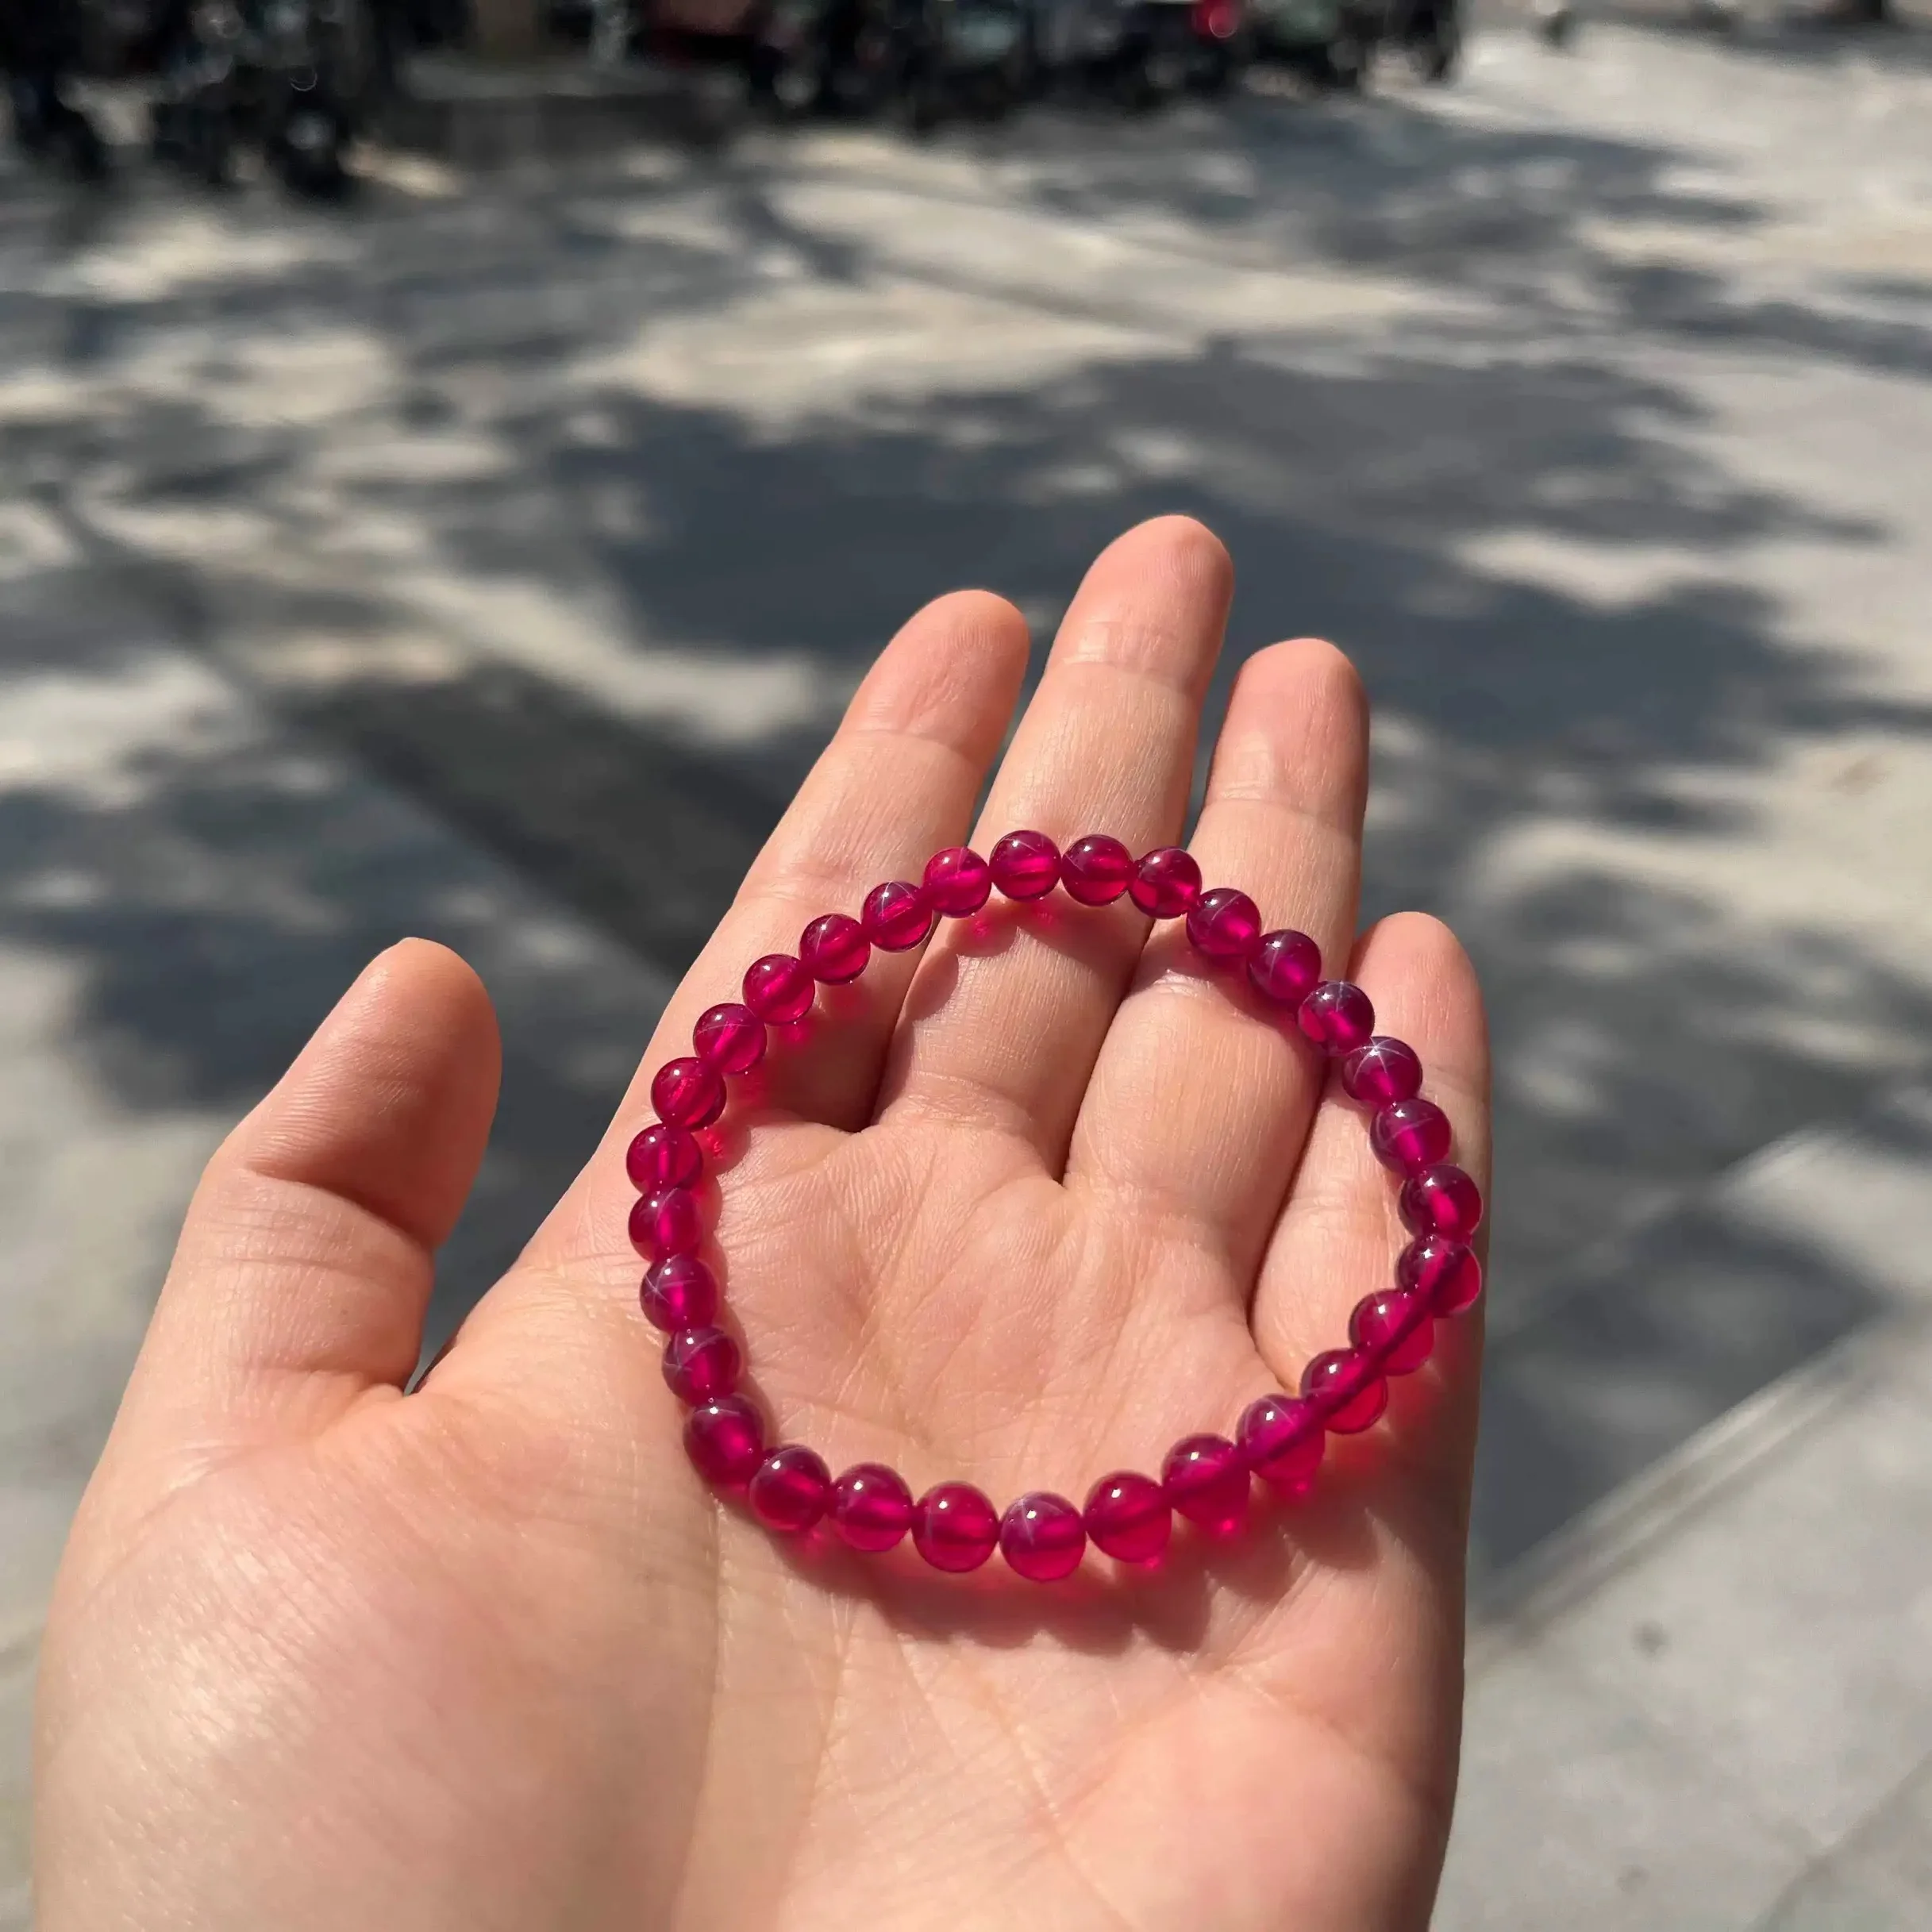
1205 1478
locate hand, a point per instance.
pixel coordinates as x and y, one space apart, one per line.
1021 1210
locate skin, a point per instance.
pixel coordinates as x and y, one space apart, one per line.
1022 1210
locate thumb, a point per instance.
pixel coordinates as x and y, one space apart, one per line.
307 1257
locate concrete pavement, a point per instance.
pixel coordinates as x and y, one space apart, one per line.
360 567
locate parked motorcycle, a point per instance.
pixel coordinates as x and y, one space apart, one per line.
40 53
1328 43
1141 52
955 58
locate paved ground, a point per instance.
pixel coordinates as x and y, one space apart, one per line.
357 568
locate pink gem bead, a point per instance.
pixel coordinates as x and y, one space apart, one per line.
679 1292
1285 967
664 1224
701 1364
1225 926
791 1489
1165 883
1442 1200
835 949
663 1156
1383 1072
1129 1516
1396 1328
1443 1271
871 1507
1338 1017
688 1093
778 988
896 916
1207 1480
1096 869
954 1527
958 882
1347 1387
731 1037
725 1439
1281 1438
1041 1537
1025 865
1410 1135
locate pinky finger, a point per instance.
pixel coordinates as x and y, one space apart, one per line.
1340 1235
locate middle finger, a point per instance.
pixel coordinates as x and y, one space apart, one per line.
1006 1017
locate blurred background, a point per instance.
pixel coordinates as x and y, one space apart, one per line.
456 461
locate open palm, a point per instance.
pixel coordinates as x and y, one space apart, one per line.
1020 1211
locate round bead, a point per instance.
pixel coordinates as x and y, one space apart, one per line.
1025 865
954 1527
1281 1438
835 949
791 1489
679 1292
1040 1536
1129 1516
1095 870
1347 1387
1165 883
1224 925
871 1507
666 1223
731 1037
1445 1273
726 1440
778 988
1286 966
957 882
1383 1072
1338 1016
1207 1480
663 1156
1410 1135
688 1093
896 917
701 1364
1396 1328
1442 1200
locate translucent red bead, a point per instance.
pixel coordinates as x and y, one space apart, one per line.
957 882
730 1037
1443 1271
1285 966
663 1156
896 917
1166 882
1095 870
1410 1135
1206 1479
665 1223
1383 1072
835 950
1347 1386
791 1489
1281 1438
688 1093
679 1292
701 1363
1338 1017
1128 1517
1025 865
1442 1200
1225 926
871 1507
954 1527
779 988
724 1440
1042 1537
